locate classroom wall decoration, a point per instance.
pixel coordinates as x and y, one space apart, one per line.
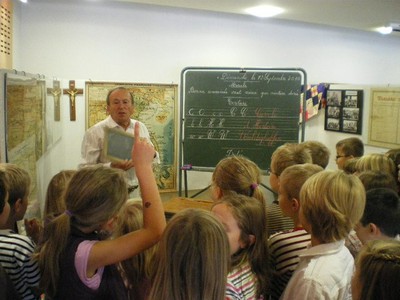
384 118
344 111
155 106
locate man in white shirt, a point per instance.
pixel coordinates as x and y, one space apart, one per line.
120 107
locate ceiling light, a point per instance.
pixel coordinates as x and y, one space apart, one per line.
385 29
264 11
24 1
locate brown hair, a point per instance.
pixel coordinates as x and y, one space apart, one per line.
192 258
19 183
351 147
118 88
319 152
289 154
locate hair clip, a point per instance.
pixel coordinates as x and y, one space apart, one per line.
254 186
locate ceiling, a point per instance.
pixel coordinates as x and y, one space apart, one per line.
363 15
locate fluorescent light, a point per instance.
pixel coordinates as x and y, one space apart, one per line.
385 30
24 1
264 11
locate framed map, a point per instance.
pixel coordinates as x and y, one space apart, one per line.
155 106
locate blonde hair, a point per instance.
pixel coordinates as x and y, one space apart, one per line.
378 269
19 183
192 258
287 155
250 216
376 162
54 203
349 165
319 152
238 174
93 196
293 178
332 203
136 271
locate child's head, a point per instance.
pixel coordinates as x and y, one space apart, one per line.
192 258
348 148
238 174
377 179
244 220
376 162
94 195
381 218
377 271
291 181
349 165
319 152
19 184
55 204
284 156
332 202
4 206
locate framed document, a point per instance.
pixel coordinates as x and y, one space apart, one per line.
117 144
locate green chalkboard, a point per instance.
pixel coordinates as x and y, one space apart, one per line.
246 112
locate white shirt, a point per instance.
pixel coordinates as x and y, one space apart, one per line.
93 145
324 272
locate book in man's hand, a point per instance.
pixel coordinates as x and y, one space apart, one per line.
118 144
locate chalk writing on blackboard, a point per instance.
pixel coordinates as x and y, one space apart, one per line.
239 113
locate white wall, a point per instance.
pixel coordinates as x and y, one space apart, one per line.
103 41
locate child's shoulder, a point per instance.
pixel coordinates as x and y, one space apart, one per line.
283 237
18 240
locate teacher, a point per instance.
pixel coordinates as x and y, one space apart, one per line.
120 106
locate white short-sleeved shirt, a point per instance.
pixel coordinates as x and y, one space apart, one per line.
324 272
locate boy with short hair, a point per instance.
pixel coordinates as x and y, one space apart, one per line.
381 218
286 245
332 202
288 154
348 148
319 152
15 249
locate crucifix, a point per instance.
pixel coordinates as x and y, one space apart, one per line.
56 92
72 92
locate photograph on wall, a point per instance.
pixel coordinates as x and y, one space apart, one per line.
344 111
384 118
155 106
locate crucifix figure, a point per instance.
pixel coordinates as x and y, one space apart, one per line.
56 92
72 92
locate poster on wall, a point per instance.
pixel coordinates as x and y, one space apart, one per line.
155 106
384 119
344 111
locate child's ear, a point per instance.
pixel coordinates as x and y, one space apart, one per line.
295 204
374 230
18 206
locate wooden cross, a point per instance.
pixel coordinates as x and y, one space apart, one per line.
56 92
72 92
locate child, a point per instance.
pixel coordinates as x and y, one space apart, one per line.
377 271
285 246
192 258
136 270
237 174
74 263
244 220
16 250
332 202
348 148
377 179
319 152
283 157
55 204
376 162
381 218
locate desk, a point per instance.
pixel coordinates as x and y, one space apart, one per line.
175 205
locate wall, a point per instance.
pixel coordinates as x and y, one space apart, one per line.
139 43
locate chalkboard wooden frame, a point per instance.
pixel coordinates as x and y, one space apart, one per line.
238 111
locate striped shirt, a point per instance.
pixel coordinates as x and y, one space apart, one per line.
276 221
241 283
285 248
15 258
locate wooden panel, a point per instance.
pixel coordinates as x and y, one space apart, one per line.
175 205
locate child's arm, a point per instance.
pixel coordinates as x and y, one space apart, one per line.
113 251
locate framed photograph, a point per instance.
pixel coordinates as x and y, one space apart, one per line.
344 111
118 144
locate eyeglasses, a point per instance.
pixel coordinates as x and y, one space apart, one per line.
269 172
339 156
